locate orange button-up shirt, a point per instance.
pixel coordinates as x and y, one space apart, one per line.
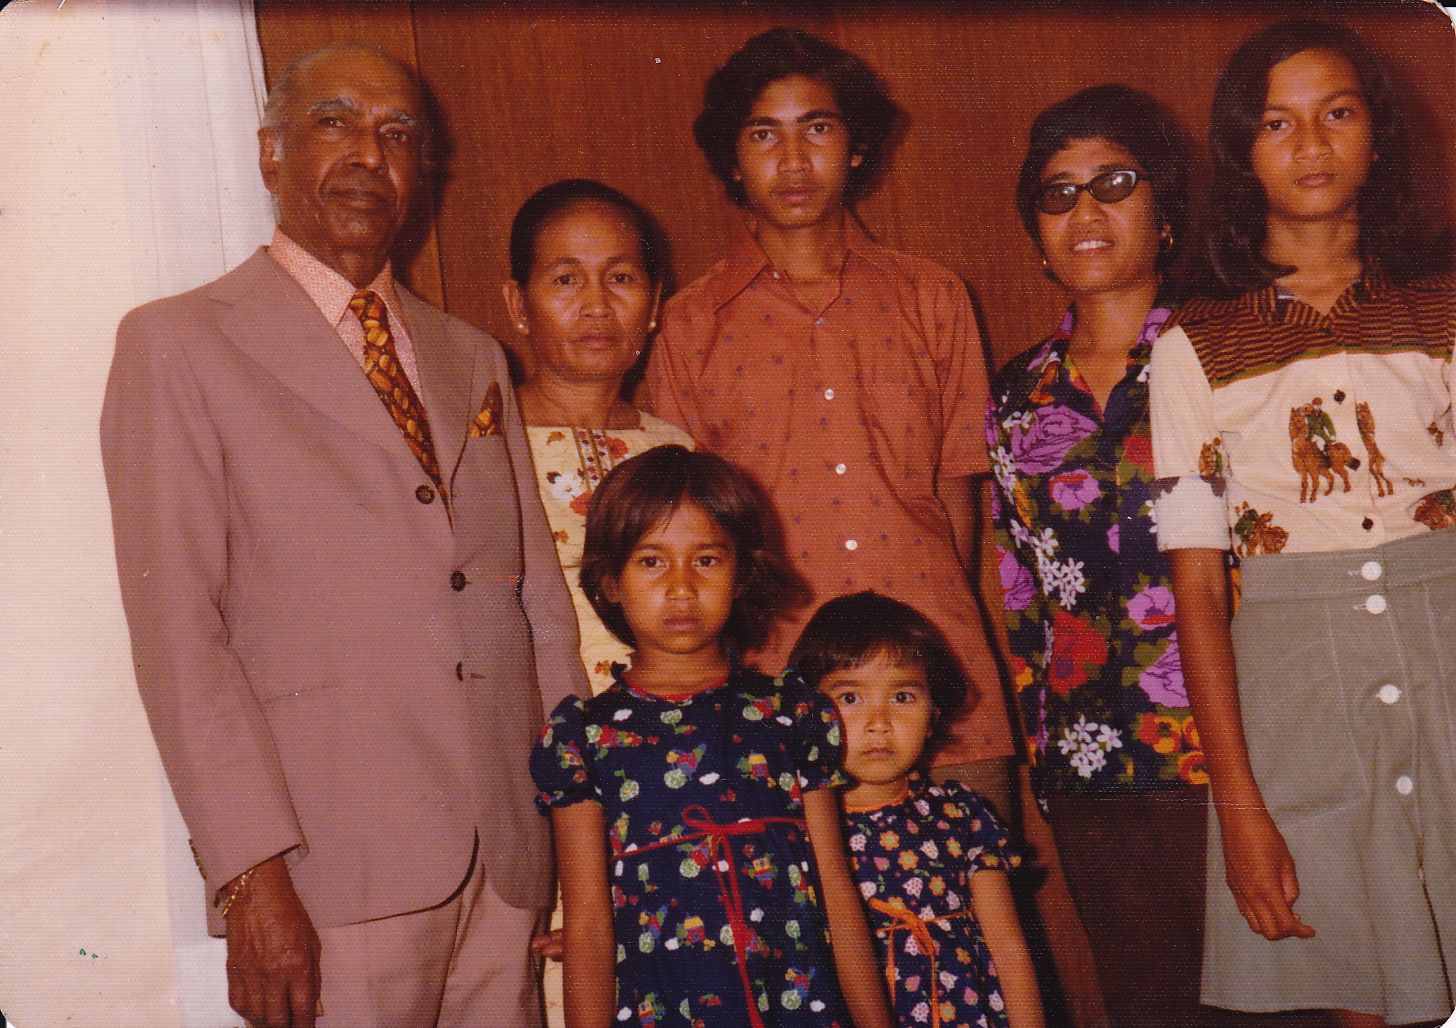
848 416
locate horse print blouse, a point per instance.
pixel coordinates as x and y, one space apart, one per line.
1278 429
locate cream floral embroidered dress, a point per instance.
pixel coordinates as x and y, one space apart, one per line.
570 463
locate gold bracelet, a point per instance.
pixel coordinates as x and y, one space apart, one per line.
234 891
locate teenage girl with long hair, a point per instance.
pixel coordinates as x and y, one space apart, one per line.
1302 417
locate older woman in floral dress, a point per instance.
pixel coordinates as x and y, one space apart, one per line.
587 268
587 271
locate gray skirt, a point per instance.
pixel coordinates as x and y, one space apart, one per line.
1346 665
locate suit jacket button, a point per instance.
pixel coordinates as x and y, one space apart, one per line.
425 494
460 670
457 580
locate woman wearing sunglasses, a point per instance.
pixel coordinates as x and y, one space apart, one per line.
1088 598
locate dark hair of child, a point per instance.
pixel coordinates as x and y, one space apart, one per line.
1395 233
546 203
852 630
1134 121
640 494
869 113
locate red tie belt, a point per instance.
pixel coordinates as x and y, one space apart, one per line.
717 836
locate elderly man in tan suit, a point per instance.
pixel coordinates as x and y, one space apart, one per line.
345 605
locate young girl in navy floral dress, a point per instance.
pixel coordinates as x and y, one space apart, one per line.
694 802
930 859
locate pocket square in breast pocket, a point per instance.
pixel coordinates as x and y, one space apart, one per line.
488 421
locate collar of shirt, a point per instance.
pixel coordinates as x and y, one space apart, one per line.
746 259
331 293
1055 348
916 783
1273 305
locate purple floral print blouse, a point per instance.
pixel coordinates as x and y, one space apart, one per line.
1087 597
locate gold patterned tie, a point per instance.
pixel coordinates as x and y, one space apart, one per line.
382 368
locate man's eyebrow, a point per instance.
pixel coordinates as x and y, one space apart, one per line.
346 105
827 114
337 103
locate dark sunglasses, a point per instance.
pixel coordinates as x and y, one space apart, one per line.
1109 187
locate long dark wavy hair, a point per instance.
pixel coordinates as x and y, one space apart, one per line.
1395 233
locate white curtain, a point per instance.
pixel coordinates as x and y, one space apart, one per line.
128 171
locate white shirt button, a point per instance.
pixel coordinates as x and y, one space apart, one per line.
840 469
1404 785
851 544
1389 693
1375 604
818 322
829 394
1371 570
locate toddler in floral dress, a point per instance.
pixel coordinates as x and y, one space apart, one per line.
930 859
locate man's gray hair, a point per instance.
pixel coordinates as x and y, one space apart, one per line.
285 87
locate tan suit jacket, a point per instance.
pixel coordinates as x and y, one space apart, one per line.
333 665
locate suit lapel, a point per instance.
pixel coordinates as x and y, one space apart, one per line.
447 369
269 317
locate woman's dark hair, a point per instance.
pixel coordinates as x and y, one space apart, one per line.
869 113
1134 121
1394 233
640 494
849 631
546 203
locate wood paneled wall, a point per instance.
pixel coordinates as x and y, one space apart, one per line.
530 92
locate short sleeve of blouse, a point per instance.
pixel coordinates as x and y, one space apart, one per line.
558 762
987 844
819 739
1188 494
